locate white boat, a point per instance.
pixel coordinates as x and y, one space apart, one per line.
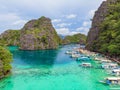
68 52
75 55
109 65
115 72
97 59
86 65
84 58
111 80
105 61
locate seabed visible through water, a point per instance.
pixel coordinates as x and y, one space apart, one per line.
51 70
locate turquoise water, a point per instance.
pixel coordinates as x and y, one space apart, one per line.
51 70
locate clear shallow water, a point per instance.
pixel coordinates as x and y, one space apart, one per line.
51 70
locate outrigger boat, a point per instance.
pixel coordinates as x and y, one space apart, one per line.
111 81
68 52
105 61
83 58
109 65
115 72
86 65
75 55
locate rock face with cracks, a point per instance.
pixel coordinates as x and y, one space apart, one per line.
104 35
39 34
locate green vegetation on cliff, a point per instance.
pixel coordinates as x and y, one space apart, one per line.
108 41
36 34
5 60
10 37
77 38
39 34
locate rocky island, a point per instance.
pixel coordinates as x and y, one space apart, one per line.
39 34
35 35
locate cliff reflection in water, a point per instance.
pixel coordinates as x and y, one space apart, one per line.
34 58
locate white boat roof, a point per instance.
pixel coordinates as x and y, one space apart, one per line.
106 60
87 63
113 78
111 64
116 70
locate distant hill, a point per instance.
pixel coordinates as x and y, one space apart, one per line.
77 38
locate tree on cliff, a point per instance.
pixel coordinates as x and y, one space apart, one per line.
5 60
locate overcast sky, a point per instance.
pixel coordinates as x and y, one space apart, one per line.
68 16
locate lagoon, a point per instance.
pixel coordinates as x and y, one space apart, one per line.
51 70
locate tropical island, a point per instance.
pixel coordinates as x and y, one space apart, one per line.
37 55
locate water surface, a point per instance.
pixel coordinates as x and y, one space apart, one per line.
51 70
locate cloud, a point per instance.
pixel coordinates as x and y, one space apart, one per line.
8 17
56 20
66 31
63 24
86 23
63 31
91 13
83 30
11 21
71 16
19 22
14 13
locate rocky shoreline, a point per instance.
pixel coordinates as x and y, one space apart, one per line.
87 52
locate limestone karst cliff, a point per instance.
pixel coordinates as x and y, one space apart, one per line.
104 35
39 34
35 35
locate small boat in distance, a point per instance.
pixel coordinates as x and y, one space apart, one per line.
111 81
75 55
68 52
83 58
86 65
109 65
115 72
106 61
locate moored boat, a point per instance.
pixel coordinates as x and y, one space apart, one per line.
115 72
111 80
75 55
109 65
86 65
83 58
